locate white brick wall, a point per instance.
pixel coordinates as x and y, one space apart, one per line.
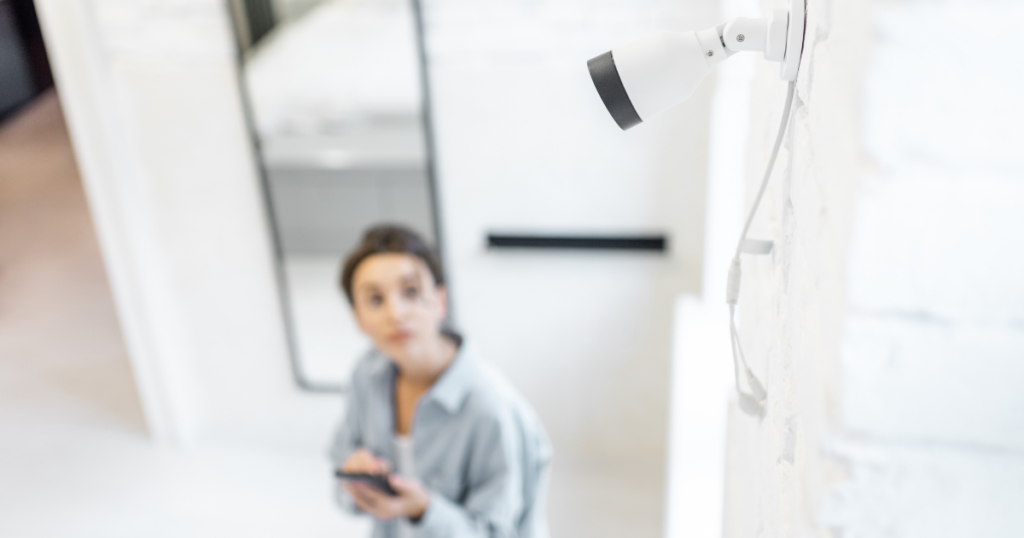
889 322
925 490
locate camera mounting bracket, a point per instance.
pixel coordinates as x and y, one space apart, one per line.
780 36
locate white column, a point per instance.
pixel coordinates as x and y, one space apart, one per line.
151 97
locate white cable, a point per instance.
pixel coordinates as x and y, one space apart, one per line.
751 402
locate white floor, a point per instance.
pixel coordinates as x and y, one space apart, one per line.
75 460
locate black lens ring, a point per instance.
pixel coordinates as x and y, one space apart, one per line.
609 87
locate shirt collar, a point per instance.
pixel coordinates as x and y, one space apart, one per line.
450 390
454 385
380 368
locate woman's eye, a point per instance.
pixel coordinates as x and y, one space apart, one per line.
376 300
411 292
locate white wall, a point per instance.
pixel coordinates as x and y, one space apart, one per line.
151 97
525 145
888 320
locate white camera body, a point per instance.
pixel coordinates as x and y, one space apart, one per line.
641 79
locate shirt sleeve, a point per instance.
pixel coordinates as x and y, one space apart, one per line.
347 439
493 501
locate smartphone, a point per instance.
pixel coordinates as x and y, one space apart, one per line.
377 481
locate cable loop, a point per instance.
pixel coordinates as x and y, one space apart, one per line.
751 402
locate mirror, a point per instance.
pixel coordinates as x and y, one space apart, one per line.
336 107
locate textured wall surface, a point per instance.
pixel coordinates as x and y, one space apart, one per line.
888 322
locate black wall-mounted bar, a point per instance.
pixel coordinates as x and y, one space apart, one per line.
649 243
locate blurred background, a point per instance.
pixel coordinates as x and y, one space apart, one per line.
246 146
181 179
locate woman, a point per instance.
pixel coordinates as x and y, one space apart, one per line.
469 457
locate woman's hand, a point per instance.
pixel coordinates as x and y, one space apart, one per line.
412 498
411 501
362 461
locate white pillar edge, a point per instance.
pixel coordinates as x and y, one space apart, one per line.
87 98
702 371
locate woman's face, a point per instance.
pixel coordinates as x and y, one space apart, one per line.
398 305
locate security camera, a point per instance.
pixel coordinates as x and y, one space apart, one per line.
645 77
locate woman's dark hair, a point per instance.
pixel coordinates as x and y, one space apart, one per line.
385 239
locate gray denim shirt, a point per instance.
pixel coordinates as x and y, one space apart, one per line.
478 448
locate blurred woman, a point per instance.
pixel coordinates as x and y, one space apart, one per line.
463 452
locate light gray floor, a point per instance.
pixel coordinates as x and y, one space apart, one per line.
74 456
